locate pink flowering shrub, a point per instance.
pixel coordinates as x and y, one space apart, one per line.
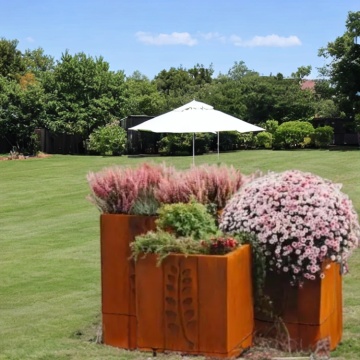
299 219
116 189
208 184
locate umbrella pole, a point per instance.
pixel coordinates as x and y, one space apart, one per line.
218 145
193 148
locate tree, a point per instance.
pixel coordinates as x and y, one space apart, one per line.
37 62
301 72
201 75
180 85
143 97
22 109
344 68
11 62
239 70
83 94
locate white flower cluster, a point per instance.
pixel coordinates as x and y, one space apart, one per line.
299 219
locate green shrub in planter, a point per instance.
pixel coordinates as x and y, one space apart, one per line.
188 220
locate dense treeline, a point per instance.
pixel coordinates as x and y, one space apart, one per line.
78 93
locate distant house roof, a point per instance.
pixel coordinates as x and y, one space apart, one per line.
308 85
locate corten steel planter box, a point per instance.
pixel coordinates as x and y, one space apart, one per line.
117 231
196 304
311 314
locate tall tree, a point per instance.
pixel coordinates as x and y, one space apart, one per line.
301 72
83 94
344 67
143 97
37 62
239 70
11 61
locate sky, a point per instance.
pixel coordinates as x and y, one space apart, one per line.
269 36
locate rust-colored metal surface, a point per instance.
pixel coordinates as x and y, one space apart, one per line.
118 276
311 314
197 304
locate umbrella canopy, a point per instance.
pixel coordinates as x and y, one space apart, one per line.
195 117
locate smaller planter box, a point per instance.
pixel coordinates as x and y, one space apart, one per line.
199 304
311 314
117 231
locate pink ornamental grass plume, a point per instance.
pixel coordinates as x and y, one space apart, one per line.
208 184
300 221
114 190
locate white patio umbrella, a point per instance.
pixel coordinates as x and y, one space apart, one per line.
195 117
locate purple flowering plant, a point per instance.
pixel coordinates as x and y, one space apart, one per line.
300 221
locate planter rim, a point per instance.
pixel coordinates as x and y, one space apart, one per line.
142 255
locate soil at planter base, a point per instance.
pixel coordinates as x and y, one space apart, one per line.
118 276
307 316
197 304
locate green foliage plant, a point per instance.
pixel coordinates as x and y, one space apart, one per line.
186 220
162 243
291 134
271 126
264 139
182 144
185 229
108 140
247 141
323 136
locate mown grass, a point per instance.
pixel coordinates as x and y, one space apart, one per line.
49 249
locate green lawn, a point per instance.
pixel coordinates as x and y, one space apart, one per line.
49 249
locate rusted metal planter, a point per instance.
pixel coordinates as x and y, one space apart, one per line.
117 231
311 314
199 304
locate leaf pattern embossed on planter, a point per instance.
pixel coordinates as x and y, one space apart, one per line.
180 290
171 301
187 281
187 301
171 278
